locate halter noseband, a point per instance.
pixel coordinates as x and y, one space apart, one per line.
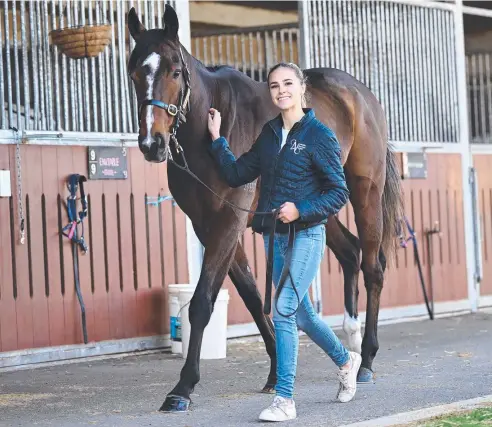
171 109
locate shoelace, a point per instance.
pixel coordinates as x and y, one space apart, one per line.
343 375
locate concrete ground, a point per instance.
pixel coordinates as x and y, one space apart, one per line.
419 364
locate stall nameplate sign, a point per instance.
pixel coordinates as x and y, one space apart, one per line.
108 163
414 165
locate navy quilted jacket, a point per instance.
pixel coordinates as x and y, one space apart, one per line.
306 171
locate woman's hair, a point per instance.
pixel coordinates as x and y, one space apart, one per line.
297 71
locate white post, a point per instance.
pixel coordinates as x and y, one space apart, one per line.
183 11
193 245
304 44
466 156
304 35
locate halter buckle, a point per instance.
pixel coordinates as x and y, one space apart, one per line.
172 110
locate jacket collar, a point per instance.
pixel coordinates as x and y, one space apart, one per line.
277 123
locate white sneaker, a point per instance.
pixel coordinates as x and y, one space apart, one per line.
281 409
348 379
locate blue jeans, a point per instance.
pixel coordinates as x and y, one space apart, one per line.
309 247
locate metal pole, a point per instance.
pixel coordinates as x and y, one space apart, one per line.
305 51
466 159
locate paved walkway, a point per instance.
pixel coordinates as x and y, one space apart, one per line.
419 364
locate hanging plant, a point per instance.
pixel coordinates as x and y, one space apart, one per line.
84 41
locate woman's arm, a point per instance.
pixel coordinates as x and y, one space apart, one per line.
236 172
335 194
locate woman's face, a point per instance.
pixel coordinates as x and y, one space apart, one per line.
286 89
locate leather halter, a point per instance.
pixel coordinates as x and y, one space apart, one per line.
178 111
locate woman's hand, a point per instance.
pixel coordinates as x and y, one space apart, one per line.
288 212
214 121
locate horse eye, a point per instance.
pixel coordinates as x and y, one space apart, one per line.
176 74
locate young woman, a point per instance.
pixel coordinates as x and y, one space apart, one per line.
298 159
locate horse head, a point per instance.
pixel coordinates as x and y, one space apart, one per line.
161 80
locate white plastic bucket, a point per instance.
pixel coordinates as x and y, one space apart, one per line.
175 315
214 343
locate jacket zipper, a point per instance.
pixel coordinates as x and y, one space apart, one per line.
275 163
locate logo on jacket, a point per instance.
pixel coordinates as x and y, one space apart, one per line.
297 147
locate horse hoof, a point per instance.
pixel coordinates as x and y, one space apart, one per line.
365 376
174 403
268 389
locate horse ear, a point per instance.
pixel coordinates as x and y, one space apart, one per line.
134 25
171 23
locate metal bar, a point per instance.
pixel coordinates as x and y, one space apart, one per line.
85 74
251 62
115 98
331 34
282 45
476 127
232 31
205 53
107 71
63 58
97 70
121 62
47 66
489 97
326 37
7 63
228 60
259 46
78 66
42 75
315 36
127 103
426 77
243 54
380 56
395 67
342 19
57 101
408 120
146 14
441 80
481 73
351 36
291 47
212 51
417 89
25 69
159 14
3 123
152 14
453 70
16 66
72 79
430 60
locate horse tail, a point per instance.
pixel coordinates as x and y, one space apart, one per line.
392 205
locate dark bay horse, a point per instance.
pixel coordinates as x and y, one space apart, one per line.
162 72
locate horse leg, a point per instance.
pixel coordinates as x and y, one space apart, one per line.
346 248
243 280
369 219
218 256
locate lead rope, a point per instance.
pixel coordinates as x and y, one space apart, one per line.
269 271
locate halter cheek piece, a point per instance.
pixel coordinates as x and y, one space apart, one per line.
178 111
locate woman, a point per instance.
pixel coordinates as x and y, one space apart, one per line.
298 159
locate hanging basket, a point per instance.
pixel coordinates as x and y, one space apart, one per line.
85 41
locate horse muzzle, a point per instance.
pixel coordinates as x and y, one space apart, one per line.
154 148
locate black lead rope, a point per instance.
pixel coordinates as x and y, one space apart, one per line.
76 181
403 244
274 214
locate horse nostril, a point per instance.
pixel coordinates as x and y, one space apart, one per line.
145 144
